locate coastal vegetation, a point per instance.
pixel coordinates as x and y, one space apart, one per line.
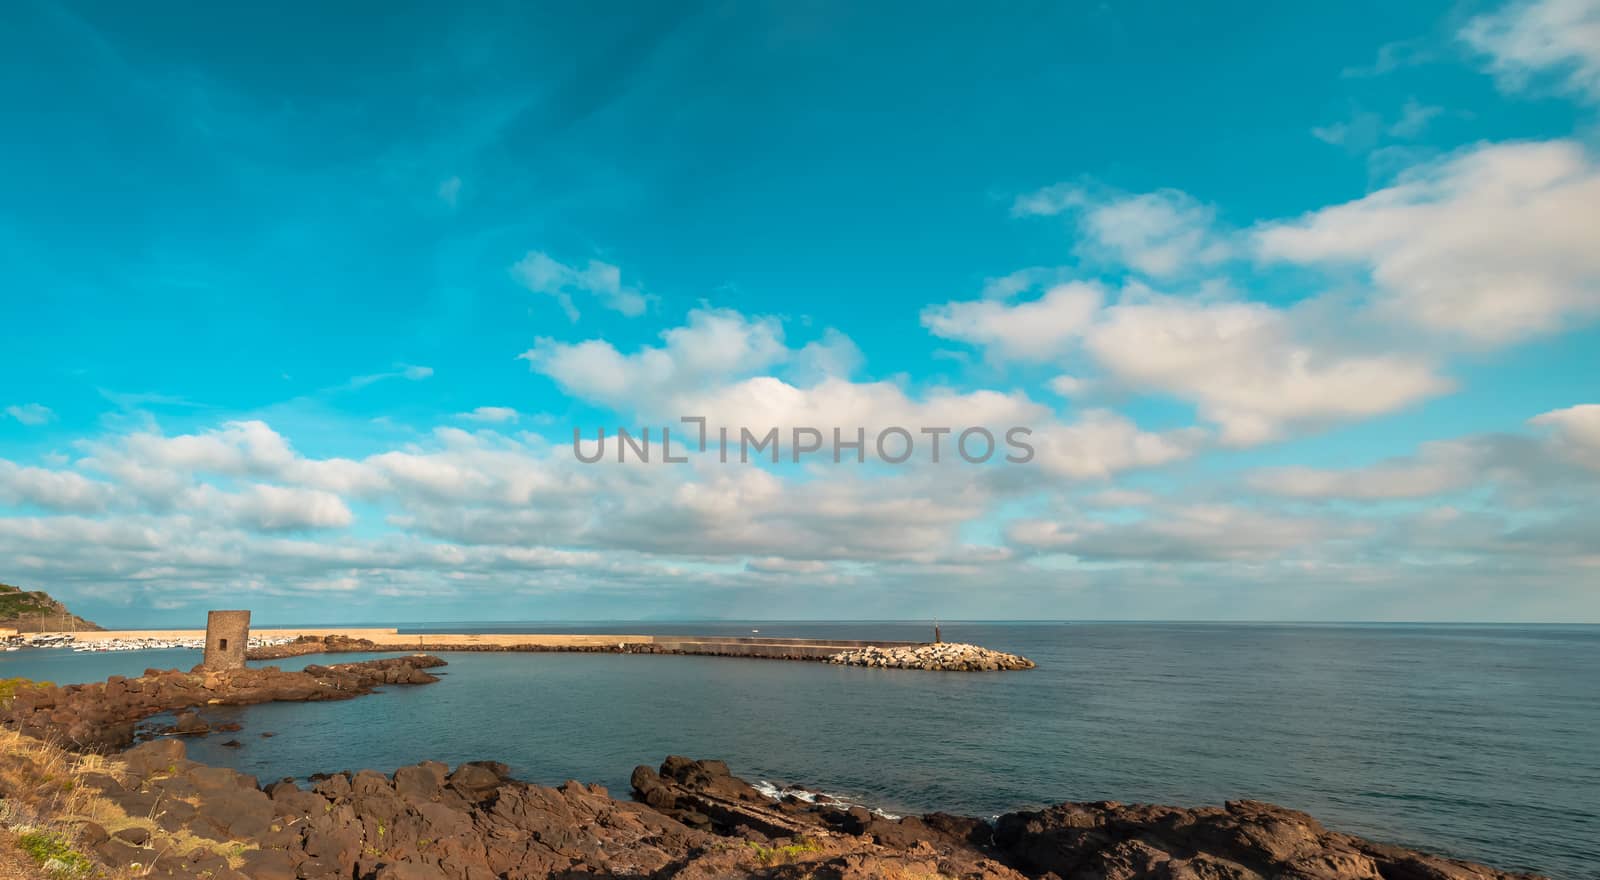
778 855
9 687
53 807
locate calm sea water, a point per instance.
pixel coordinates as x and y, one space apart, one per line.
1476 741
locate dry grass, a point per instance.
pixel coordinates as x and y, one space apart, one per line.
45 803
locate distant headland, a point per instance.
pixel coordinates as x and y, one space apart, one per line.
35 611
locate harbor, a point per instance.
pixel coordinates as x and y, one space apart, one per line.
105 642
269 644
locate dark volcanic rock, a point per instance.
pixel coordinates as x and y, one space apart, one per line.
689 820
102 716
1244 840
703 794
694 821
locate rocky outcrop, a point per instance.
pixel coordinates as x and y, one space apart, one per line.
105 716
424 822
1243 840
940 656
300 647
692 820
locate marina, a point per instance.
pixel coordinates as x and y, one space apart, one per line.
99 644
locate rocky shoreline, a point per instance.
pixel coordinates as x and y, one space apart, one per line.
150 812
153 813
105 716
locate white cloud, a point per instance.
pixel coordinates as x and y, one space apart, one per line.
476 511
714 346
1163 233
541 273
835 355
1576 432
780 565
491 414
409 372
1118 498
1414 119
1035 330
1391 57
32 414
1556 459
768 401
1556 38
1438 469
1102 443
1363 130
52 489
1069 386
1049 201
1358 133
1185 534
1254 370
1493 245
450 191
1096 446
1247 368
1023 280
278 508
680 379
235 449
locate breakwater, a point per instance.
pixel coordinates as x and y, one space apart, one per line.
279 644
944 657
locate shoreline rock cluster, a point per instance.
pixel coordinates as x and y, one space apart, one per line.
105 716
300 647
691 820
939 656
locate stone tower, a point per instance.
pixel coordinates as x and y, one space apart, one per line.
227 638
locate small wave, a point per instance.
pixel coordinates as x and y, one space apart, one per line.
810 797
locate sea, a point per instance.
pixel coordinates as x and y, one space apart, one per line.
1475 741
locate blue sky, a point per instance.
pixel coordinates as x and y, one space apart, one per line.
304 306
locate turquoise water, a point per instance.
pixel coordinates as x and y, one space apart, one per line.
1476 741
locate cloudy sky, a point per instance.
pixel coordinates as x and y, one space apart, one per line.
1299 302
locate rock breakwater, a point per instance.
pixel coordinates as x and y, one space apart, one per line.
104 715
940 656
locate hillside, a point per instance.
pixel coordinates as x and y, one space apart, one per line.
36 611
